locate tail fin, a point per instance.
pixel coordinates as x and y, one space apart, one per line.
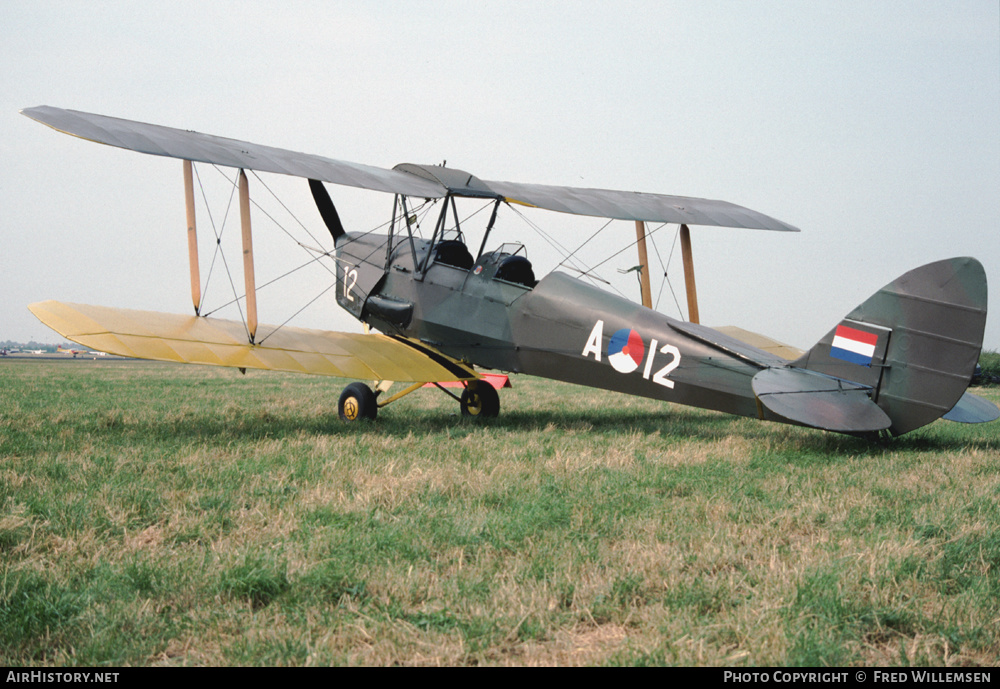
915 342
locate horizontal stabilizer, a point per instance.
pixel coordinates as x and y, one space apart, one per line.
218 342
819 401
973 409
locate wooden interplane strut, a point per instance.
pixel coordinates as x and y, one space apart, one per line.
192 236
640 238
248 275
689 286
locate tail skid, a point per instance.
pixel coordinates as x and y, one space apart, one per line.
897 362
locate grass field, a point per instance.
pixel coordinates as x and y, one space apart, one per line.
165 515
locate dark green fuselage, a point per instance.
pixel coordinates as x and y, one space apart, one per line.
560 327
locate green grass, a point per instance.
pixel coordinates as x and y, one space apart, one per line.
166 515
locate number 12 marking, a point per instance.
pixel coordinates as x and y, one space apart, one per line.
660 377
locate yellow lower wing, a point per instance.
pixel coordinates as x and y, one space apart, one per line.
762 342
217 342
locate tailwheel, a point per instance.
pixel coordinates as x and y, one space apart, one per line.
480 399
357 401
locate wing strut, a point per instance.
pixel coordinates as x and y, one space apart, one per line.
248 274
688 259
689 286
640 238
192 236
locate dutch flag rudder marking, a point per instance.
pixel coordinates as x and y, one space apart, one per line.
853 345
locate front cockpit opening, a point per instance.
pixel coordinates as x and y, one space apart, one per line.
509 263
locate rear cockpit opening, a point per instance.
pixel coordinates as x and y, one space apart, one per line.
516 269
453 252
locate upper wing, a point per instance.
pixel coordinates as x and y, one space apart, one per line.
205 148
194 340
634 205
426 181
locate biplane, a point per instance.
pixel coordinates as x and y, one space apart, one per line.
447 311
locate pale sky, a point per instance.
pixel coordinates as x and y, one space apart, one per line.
872 126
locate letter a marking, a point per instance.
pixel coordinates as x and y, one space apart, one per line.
594 341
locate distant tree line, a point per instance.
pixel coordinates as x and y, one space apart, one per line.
988 371
44 346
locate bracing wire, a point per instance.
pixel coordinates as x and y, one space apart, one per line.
217 231
665 268
316 255
570 258
237 298
304 307
586 241
582 268
282 228
579 266
626 247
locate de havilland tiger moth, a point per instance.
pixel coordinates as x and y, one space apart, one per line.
447 311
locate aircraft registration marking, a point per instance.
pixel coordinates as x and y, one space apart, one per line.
626 350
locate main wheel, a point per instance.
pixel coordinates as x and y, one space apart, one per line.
357 401
480 399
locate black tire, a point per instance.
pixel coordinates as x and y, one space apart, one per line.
480 399
357 401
